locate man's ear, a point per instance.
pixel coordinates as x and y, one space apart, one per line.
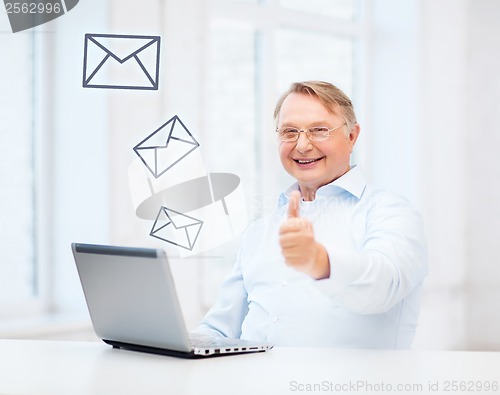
353 135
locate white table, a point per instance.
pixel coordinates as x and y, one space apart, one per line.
70 368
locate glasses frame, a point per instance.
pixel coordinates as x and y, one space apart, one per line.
308 133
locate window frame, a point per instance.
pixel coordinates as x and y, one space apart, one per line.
38 302
266 17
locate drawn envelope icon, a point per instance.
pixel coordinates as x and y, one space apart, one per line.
176 228
166 146
114 61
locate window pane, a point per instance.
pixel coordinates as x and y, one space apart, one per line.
229 145
312 56
345 9
16 171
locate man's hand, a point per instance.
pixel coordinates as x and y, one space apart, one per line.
298 245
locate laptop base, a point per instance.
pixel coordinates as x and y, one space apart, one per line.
164 351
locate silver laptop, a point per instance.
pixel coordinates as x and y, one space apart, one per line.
133 304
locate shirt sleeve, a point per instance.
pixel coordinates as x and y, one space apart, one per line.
226 316
390 262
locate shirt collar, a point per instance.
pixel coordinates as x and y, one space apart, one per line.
353 182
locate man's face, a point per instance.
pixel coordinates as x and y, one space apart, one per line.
314 163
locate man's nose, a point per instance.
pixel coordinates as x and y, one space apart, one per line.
303 143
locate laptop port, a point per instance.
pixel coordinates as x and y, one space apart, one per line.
243 348
236 349
217 351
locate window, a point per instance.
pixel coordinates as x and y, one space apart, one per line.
256 49
18 268
305 55
231 85
342 9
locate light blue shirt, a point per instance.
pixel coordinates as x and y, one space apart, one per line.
378 261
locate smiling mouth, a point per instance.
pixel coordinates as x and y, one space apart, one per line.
306 161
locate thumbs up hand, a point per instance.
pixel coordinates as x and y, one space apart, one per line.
298 245
294 205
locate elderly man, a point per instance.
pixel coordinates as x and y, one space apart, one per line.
340 263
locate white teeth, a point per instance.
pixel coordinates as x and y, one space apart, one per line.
303 162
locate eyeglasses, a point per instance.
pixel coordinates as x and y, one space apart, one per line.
318 133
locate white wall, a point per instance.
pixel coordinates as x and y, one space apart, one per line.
393 101
459 95
442 77
482 192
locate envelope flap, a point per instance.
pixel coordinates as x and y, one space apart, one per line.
176 228
122 47
162 219
173 129
180 220
159 138
180 132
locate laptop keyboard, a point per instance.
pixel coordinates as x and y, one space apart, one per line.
210 342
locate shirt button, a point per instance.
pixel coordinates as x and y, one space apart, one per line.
275 319
284 283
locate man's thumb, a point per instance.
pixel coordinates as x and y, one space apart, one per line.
294 204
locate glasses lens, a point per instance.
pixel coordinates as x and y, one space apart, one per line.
319 134
289 134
